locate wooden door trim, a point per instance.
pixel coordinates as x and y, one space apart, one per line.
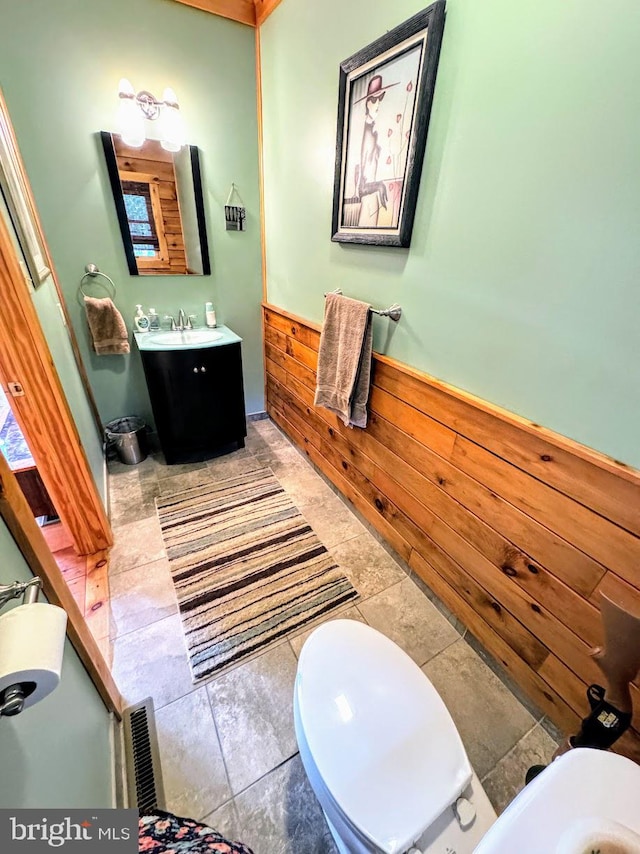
29 539
43 412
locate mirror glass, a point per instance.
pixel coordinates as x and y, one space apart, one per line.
160 207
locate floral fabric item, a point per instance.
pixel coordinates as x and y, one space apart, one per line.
164 832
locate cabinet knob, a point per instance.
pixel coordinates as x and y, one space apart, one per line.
203 370
195 370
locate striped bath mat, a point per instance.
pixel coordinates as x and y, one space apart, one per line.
246 566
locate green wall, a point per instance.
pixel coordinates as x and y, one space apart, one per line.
522 281
46 302
60 63
56 753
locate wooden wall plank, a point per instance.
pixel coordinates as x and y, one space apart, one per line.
605 485
576 569
607 543
513 545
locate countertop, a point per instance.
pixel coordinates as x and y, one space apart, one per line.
148 340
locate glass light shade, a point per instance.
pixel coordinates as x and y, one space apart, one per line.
130 121
125 88
172 132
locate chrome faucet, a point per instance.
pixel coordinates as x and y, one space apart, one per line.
183 323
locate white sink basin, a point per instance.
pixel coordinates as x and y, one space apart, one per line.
185 339
585 801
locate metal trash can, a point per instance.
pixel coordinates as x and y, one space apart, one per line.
129 437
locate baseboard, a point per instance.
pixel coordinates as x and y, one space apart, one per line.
257 416
119 787
105 480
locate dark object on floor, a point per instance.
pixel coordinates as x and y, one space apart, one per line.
604 726
163 831
619 661
533 772
600 729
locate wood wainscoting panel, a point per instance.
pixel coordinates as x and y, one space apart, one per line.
517 529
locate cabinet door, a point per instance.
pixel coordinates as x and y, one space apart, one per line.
197 398
222 394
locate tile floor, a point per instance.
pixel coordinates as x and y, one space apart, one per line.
227 746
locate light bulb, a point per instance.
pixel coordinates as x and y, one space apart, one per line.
130 121
125 89
172 133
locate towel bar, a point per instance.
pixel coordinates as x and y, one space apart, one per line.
394 311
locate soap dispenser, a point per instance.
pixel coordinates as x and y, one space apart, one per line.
141 320
210 315
154 320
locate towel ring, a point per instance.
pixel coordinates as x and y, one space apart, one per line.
91 272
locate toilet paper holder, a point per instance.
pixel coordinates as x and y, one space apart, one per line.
30 590
12 698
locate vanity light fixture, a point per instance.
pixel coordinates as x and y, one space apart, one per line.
135 108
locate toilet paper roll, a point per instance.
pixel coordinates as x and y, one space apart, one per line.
31 647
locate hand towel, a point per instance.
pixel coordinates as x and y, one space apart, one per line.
344 359
108 330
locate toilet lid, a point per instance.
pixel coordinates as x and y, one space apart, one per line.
379 733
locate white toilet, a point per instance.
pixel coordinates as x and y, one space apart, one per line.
387 764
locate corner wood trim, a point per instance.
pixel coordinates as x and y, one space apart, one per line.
264 8
243 11
251 12
29 539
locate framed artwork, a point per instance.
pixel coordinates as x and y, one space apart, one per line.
385 96
17 198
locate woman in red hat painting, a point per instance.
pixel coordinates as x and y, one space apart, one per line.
371 192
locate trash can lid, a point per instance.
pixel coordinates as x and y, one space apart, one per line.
128 424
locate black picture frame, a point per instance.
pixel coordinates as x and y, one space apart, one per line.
382 131
118 198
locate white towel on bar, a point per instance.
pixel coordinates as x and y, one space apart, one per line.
344 359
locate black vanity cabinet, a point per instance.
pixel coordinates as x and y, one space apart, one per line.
197 397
